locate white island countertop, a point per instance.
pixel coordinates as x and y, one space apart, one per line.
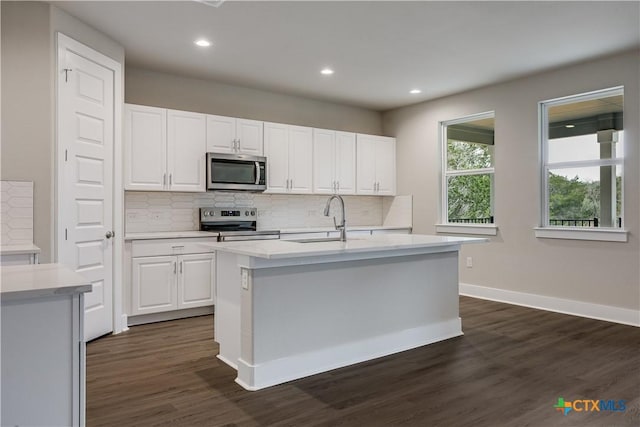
41 280
280 249
24 249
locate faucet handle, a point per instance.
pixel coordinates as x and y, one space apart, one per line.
335 224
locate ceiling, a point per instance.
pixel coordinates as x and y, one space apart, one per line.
379 50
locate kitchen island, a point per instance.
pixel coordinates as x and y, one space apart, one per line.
288 309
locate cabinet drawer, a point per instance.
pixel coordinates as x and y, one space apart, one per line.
161 247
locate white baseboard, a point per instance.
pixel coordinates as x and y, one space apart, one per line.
609 313
266 374
168 315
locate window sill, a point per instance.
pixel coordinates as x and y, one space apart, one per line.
602 235
476 229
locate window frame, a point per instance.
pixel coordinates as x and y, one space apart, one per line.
444 226
544 229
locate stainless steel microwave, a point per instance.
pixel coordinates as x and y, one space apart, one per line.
236 172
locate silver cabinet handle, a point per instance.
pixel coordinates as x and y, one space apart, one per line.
238 144
180 267
177 246
170 179
109 234
174 267
338 185
164 179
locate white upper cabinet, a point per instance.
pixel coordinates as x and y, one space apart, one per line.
376 165
289 152
164 149
145 141
334 162
186 149
231 135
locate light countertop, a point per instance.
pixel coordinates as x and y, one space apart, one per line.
40 280
25 249
197 233
169 235
354 228
280 249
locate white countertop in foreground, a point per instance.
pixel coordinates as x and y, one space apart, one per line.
40 280
280 249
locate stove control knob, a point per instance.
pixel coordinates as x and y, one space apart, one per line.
253 213
206 213
246 213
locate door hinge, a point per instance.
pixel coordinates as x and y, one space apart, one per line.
66 74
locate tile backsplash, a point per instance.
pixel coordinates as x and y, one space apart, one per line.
16 214
164 211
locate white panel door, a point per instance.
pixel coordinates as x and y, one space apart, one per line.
250 136
186 149
276 148
153 285
386 166
221 134
366 164
324 157
300 159
195 280
85 190
145 153
346 162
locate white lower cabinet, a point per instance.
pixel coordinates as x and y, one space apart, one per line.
174 282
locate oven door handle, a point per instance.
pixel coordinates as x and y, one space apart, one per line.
257 172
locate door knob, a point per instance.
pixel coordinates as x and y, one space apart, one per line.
109 234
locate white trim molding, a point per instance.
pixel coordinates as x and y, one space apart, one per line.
608 313
476 229
572 233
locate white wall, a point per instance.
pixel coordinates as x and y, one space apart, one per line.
183 93
27 120
595 272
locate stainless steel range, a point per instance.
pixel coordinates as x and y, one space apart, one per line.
234 224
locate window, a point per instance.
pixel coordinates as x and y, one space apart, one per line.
467 194
582 152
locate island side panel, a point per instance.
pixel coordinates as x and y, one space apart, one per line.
227 311
302 320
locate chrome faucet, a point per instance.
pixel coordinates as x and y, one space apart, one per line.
343 224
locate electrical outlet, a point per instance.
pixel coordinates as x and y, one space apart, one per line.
245 279
132 215
469 262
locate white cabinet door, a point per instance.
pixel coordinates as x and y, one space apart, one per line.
324 161
386 166
153 284
195 280
186 148
276 147
249 134
366 164
345 163
145 145
300 160
221 134
376 169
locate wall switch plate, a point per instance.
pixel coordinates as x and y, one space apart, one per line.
469 262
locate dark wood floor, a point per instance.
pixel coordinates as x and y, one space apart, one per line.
508 369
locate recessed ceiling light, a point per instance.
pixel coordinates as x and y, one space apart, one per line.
569 126
415 91
203 43
327 71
